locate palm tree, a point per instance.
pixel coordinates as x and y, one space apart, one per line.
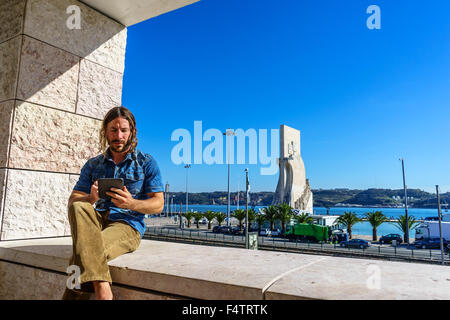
210 215
180 215
403 225
188 215
197 216
271 215
251 217
260 218
348 219
220 217
240 216
304 218
284 214
375 218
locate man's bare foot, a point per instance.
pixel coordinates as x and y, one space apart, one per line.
102 290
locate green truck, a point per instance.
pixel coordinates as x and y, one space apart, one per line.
305 231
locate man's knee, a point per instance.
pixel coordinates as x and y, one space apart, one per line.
79 206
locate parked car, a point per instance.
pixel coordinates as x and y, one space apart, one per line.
250 229
265 232
202 221
355 243
235 230
430 243
216 229
390 237
275 232
226 230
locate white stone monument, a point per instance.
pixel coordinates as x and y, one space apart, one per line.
293 187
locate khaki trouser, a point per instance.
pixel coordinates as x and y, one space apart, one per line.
96 241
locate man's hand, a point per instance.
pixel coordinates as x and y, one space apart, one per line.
122 198
93 196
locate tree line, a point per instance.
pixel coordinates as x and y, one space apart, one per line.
376 219
284 213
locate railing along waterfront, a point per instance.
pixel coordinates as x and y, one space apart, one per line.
206 237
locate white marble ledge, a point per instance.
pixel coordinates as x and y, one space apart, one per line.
206 272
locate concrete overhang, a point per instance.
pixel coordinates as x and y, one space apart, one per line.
129 12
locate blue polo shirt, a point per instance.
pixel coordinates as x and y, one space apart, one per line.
140 173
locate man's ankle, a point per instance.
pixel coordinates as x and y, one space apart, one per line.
102 290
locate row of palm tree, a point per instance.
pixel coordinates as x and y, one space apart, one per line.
376 218
284 213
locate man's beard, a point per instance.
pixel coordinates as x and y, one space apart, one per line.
125 147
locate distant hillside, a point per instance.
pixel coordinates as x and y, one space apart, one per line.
377 197
432 202
329 198
324 198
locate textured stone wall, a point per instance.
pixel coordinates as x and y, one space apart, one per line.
56 84
21 282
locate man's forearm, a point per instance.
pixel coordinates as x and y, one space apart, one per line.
149 206
80 196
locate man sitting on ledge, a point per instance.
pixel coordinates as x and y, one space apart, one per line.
105 229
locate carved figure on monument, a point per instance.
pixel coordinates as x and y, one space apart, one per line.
293 187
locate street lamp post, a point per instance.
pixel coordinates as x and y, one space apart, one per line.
187 167
440 224
406 203
172 208
237 204
247 190
228 133
167 198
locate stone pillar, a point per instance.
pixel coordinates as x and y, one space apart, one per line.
56 84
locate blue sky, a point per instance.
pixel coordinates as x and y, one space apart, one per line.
361 98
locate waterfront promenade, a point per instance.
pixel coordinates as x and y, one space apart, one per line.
205 237
169 221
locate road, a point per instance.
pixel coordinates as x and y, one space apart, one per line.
385 251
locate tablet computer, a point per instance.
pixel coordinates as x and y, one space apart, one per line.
105 184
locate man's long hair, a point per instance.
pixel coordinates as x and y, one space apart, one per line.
110 116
